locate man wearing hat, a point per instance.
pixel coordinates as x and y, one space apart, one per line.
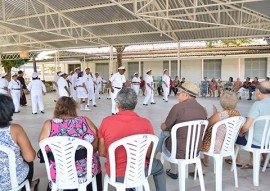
63 85
14 90
74 78
98 83
23 101
4 84
82 92
116 83
136 83
165 84
55 80
36 88
188 109
89 83
149 88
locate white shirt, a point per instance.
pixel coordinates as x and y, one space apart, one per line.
36 87
117 80
148 80
62 83
3 83
135 79
14 85
79 82
73 79
99 80
166 79
89 80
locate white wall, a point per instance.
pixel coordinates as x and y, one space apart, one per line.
192 70
229 68
155 66
268 67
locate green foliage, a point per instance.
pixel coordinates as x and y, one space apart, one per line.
237 42
8 64
210 44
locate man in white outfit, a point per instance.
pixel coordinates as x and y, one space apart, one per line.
63 85
4 84
14 91
136 83
98 84
56 78
82 91
149 84
74 77
116 83
89 83
36 88
165 84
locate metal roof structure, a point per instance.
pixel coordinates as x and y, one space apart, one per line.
33 25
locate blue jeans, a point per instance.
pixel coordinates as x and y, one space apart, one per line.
243 141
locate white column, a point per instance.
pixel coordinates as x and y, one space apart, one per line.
111 61
202 70
178 61
170 67
42 71
239 68
139 72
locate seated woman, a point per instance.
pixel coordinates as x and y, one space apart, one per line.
213 87
237 85
175 85
228 102
14 137
229 85
66 122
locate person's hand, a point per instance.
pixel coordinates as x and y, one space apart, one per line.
215 109
112 90
6 88
44 93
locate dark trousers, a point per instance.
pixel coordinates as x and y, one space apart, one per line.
251 89
23 99
30 174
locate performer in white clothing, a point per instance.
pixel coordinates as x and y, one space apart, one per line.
165 84
55 86
63 85
82 92
4 84
136 83
73 81
149 88
14 90
98 84
116 83
36 88
89 83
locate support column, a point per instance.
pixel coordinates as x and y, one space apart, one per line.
202 70
178 61
170 68
42 71
111 62
139 72
239 67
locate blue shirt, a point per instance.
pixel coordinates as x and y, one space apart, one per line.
259 108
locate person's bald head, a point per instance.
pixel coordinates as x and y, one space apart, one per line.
264 87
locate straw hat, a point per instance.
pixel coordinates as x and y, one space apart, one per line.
190 88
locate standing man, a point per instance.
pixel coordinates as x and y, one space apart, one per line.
36 88
4 84
124 124
116 82
14 91
188 109
55 80
73 81
89 83
136 83
149 88
98 84
23 101
63 85
165 84
82 92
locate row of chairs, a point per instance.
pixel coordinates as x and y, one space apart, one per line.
64 148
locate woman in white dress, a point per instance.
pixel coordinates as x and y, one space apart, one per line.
82 92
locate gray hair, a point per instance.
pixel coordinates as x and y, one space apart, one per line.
127 98
228 100
264 87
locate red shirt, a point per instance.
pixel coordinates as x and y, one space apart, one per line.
116 127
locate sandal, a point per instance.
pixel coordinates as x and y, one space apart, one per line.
173 176
247 166
229 161
192 174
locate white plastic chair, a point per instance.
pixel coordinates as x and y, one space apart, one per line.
194 136
233 125
12 170
136 148
265 145
63 150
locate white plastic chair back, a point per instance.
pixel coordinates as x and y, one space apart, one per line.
136 147
63 150
233 125
12 170
195 133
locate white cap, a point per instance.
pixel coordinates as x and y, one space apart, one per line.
61 73
78 68
34 75
14 74
148 71
135 73
121 68
3 75
165 70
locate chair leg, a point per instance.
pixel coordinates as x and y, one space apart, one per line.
27 185
146 186
186 170
105 186
199 167
234 170
218 167
181 177
256 167
266 162
94 183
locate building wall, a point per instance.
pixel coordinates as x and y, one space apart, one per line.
230 68
191 70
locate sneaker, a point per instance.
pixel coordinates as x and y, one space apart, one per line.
42 112
145 104
94 105
249 99
34 113
153 102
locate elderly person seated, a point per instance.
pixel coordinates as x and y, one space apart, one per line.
213 87
124 124
252 87
244 87
13 136
66 122
228 102
219 86
237 85
229 85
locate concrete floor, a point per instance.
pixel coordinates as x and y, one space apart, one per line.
156 114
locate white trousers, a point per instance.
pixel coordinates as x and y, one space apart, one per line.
149 95
91 95
74 94
166 91
113 96
16 94
97 91
37 101
241 91
136 88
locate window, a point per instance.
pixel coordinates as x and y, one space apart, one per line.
212 68
165 65
103 70
132 68
174 69
255 67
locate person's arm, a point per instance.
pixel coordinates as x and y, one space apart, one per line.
110 86
213 119
43 88
19 136
101 148
245 127
95 131
45 131
85 87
